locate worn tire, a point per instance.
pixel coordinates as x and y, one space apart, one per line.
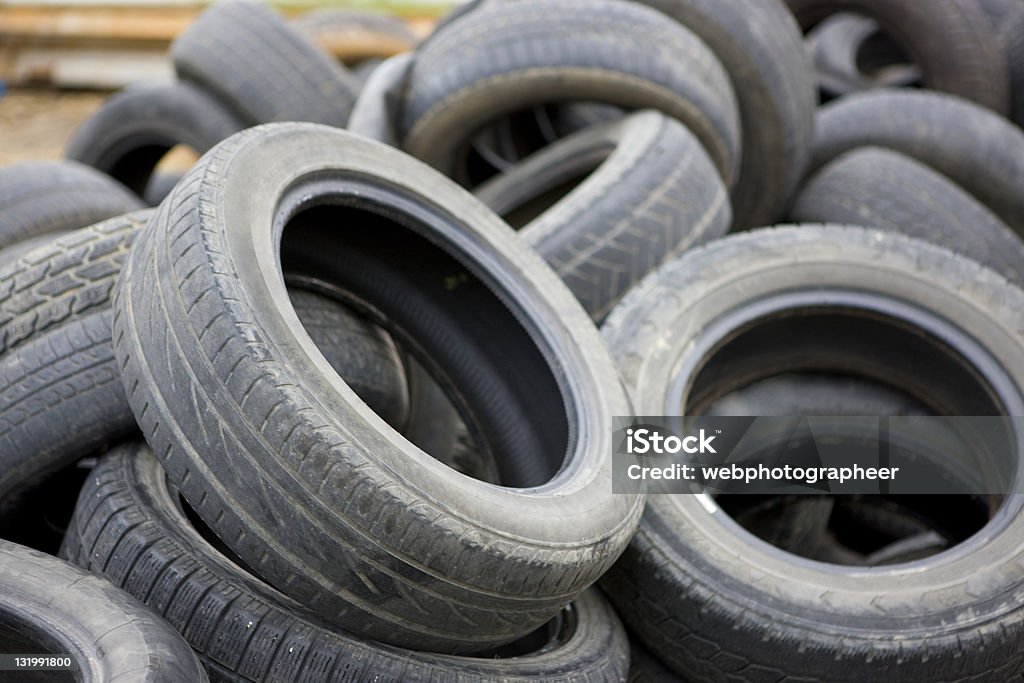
878 188
717 604
131 527
47 605
653 193
979 151
506 56
42 197
261 68
953 42
836 46
375 112
295 488
129 134
761 48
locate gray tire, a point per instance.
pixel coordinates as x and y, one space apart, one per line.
761 48
979 151
953 42
42 197
131 527
336 521
47 605
261 68
129 134
716 603
507 56
878 188
654 194
1013 37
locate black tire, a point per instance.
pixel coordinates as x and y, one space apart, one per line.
42 197
49 606
375 112
953 42
645 667
717 604
837 46
129 134
354 36
504 57
877 188
131 527
653 193
528 370
762 49
261 68
61 397
979 151
1013 42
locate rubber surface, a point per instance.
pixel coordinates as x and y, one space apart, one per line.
380 538
654 194
133 129
248 56
979 151
131 527
110 636
48 196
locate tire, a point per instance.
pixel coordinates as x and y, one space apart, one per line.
159 186
504 57
375 112
48 606
953 43
717 604
761 48
881 189
261 68
341 473
1013 38
129 134
61 397
653 193
132 528
977 150
354 36
837 46
43 197
645 667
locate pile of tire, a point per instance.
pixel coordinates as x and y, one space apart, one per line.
338 402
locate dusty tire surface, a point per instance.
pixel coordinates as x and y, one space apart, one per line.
131 527
421 582
42 197
878 188
48 604
653 194
979 151
953 43
743 610
517 54
129 134
248 56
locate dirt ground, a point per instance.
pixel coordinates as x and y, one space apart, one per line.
35 124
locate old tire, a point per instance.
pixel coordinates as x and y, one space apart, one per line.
131 527
716 603
50 606
357 470
507 56
878 188
43 197
129 134
261 68
979 151
953 43
653 193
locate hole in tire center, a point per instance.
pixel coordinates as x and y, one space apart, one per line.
879 53
449 323
18 636
825 362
